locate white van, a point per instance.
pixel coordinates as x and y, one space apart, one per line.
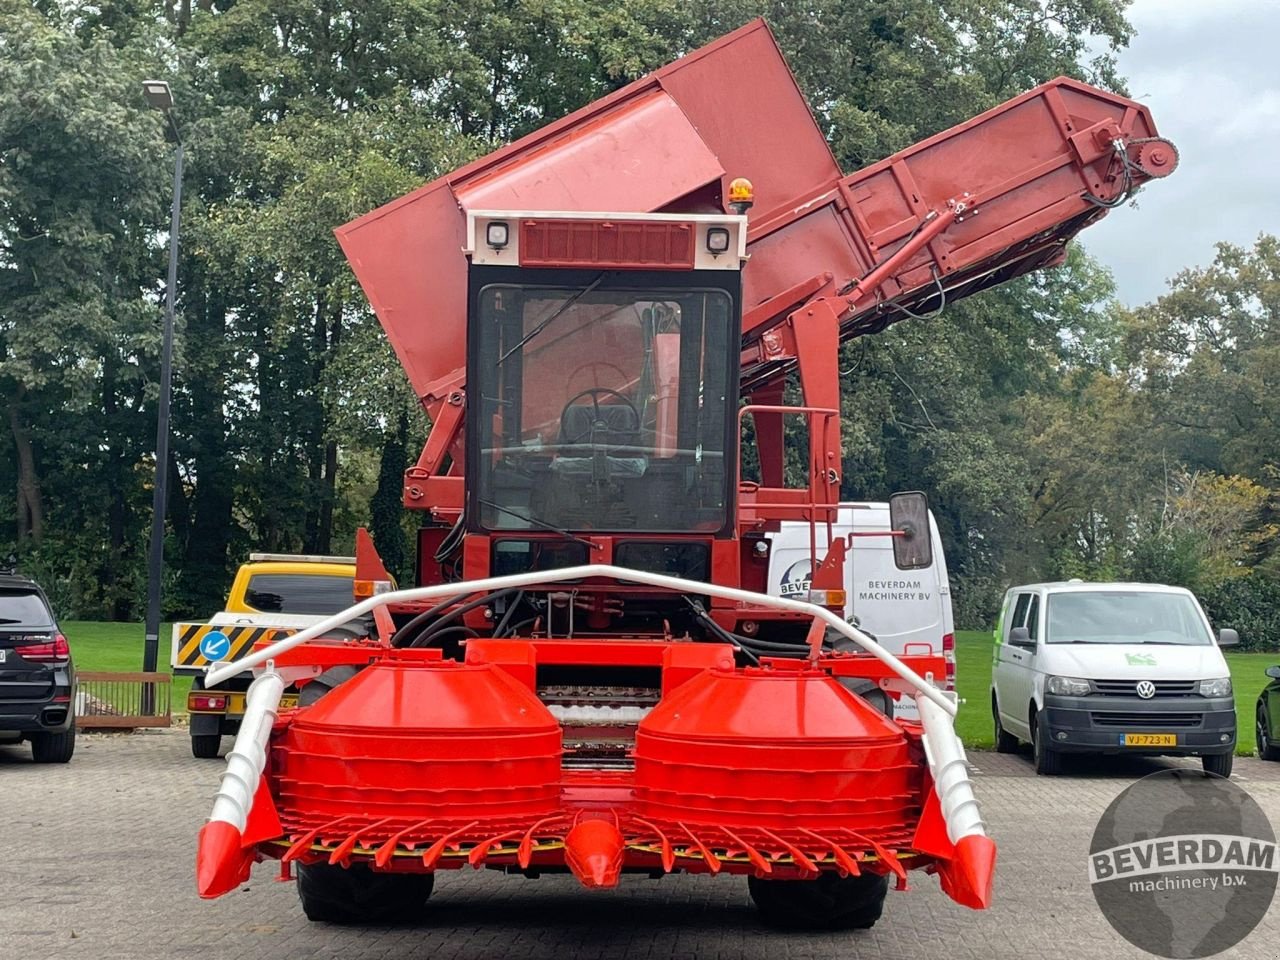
1111 668
899 607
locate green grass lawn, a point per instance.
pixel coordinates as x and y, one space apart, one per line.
117 647
973 683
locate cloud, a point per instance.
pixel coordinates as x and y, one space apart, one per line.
1210 74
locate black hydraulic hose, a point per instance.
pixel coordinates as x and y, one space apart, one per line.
770 646
517 627
456 628
407 630
421 639
750 644
724 635
506 617
451 541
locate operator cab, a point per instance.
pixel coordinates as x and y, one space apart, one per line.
602 379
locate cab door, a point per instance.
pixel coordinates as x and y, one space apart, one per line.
1015 666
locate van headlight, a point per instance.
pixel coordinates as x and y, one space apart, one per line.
1067 687
1216 688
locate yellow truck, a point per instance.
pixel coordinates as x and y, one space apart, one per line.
272 595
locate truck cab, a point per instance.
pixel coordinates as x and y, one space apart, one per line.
272 595
602 395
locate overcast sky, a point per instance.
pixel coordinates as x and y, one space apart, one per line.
1209 70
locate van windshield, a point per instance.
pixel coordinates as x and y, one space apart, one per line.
1125 616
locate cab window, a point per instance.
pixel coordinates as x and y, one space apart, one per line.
306 593
1019 618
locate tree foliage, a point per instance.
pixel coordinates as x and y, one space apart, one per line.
1056 433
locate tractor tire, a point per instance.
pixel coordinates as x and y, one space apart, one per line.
1048 761
358 895
1268 749
830 902
317 688
205 746
1006 742
1218 764
53 747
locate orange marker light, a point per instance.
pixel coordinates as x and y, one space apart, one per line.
741 195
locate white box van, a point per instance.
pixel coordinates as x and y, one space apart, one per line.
1111 668
899 607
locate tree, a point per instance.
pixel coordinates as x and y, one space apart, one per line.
298 117
80 197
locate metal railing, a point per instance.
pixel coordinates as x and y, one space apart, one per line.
123 701
219 672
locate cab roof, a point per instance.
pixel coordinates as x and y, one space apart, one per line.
1092 586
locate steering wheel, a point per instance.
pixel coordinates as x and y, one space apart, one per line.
593 368
598 425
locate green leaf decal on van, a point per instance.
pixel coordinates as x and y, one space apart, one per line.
1140 659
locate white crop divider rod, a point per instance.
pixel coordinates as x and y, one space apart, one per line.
220 672
248 756
950 770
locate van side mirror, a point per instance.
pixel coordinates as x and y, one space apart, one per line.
1273 672
909 519
1021 637
1228 637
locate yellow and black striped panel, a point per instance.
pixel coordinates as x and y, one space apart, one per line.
242 639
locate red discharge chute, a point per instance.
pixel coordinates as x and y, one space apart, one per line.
673 140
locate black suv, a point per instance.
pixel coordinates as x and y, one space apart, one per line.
37 679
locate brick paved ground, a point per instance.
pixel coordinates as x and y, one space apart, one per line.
100 854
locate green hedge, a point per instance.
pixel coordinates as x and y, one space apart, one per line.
1251 606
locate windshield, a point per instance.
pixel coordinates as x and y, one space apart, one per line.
602 407
1120 616
308 593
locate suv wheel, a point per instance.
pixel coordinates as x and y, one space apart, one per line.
53 747
1048 761
1006 742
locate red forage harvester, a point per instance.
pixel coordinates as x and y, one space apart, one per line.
588 675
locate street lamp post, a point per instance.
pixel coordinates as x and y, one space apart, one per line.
160 97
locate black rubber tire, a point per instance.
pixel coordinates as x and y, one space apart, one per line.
1006 742
313 690
205 746
1218 763
1268 749
357 894
53 747
1048 761
830 902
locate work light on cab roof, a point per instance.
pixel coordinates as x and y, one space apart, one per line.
588 674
